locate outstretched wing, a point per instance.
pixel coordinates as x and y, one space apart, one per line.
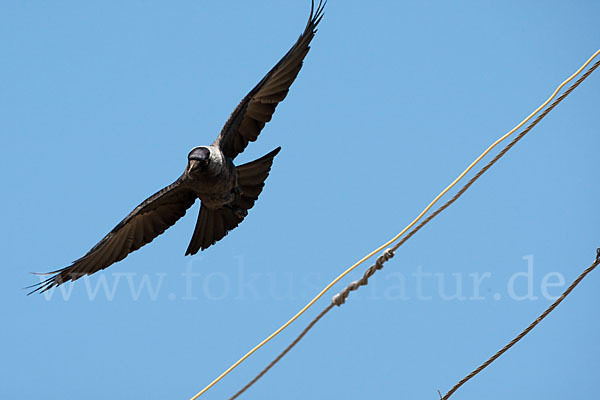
141 226
257 108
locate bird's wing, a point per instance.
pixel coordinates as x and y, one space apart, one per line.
141 226
257 108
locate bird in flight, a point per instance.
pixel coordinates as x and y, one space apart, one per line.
226 191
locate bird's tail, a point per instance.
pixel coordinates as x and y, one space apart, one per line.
214 224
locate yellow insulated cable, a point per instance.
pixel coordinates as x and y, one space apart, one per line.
377 250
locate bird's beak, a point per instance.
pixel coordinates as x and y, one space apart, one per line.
192 165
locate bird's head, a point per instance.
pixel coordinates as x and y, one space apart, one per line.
198 160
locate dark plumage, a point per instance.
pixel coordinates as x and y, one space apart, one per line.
226 191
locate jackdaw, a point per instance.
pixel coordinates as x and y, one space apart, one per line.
226 191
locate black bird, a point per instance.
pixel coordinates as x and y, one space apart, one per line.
226 191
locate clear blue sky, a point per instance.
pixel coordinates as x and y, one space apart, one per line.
100 103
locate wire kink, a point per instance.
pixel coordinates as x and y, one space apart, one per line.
409 226
341 297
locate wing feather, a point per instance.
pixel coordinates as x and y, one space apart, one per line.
257 108
148 220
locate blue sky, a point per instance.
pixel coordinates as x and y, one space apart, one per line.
101 102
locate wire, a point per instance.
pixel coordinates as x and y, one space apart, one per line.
284 352
377 250
341 297
527 330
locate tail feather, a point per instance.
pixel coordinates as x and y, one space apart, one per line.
214 224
